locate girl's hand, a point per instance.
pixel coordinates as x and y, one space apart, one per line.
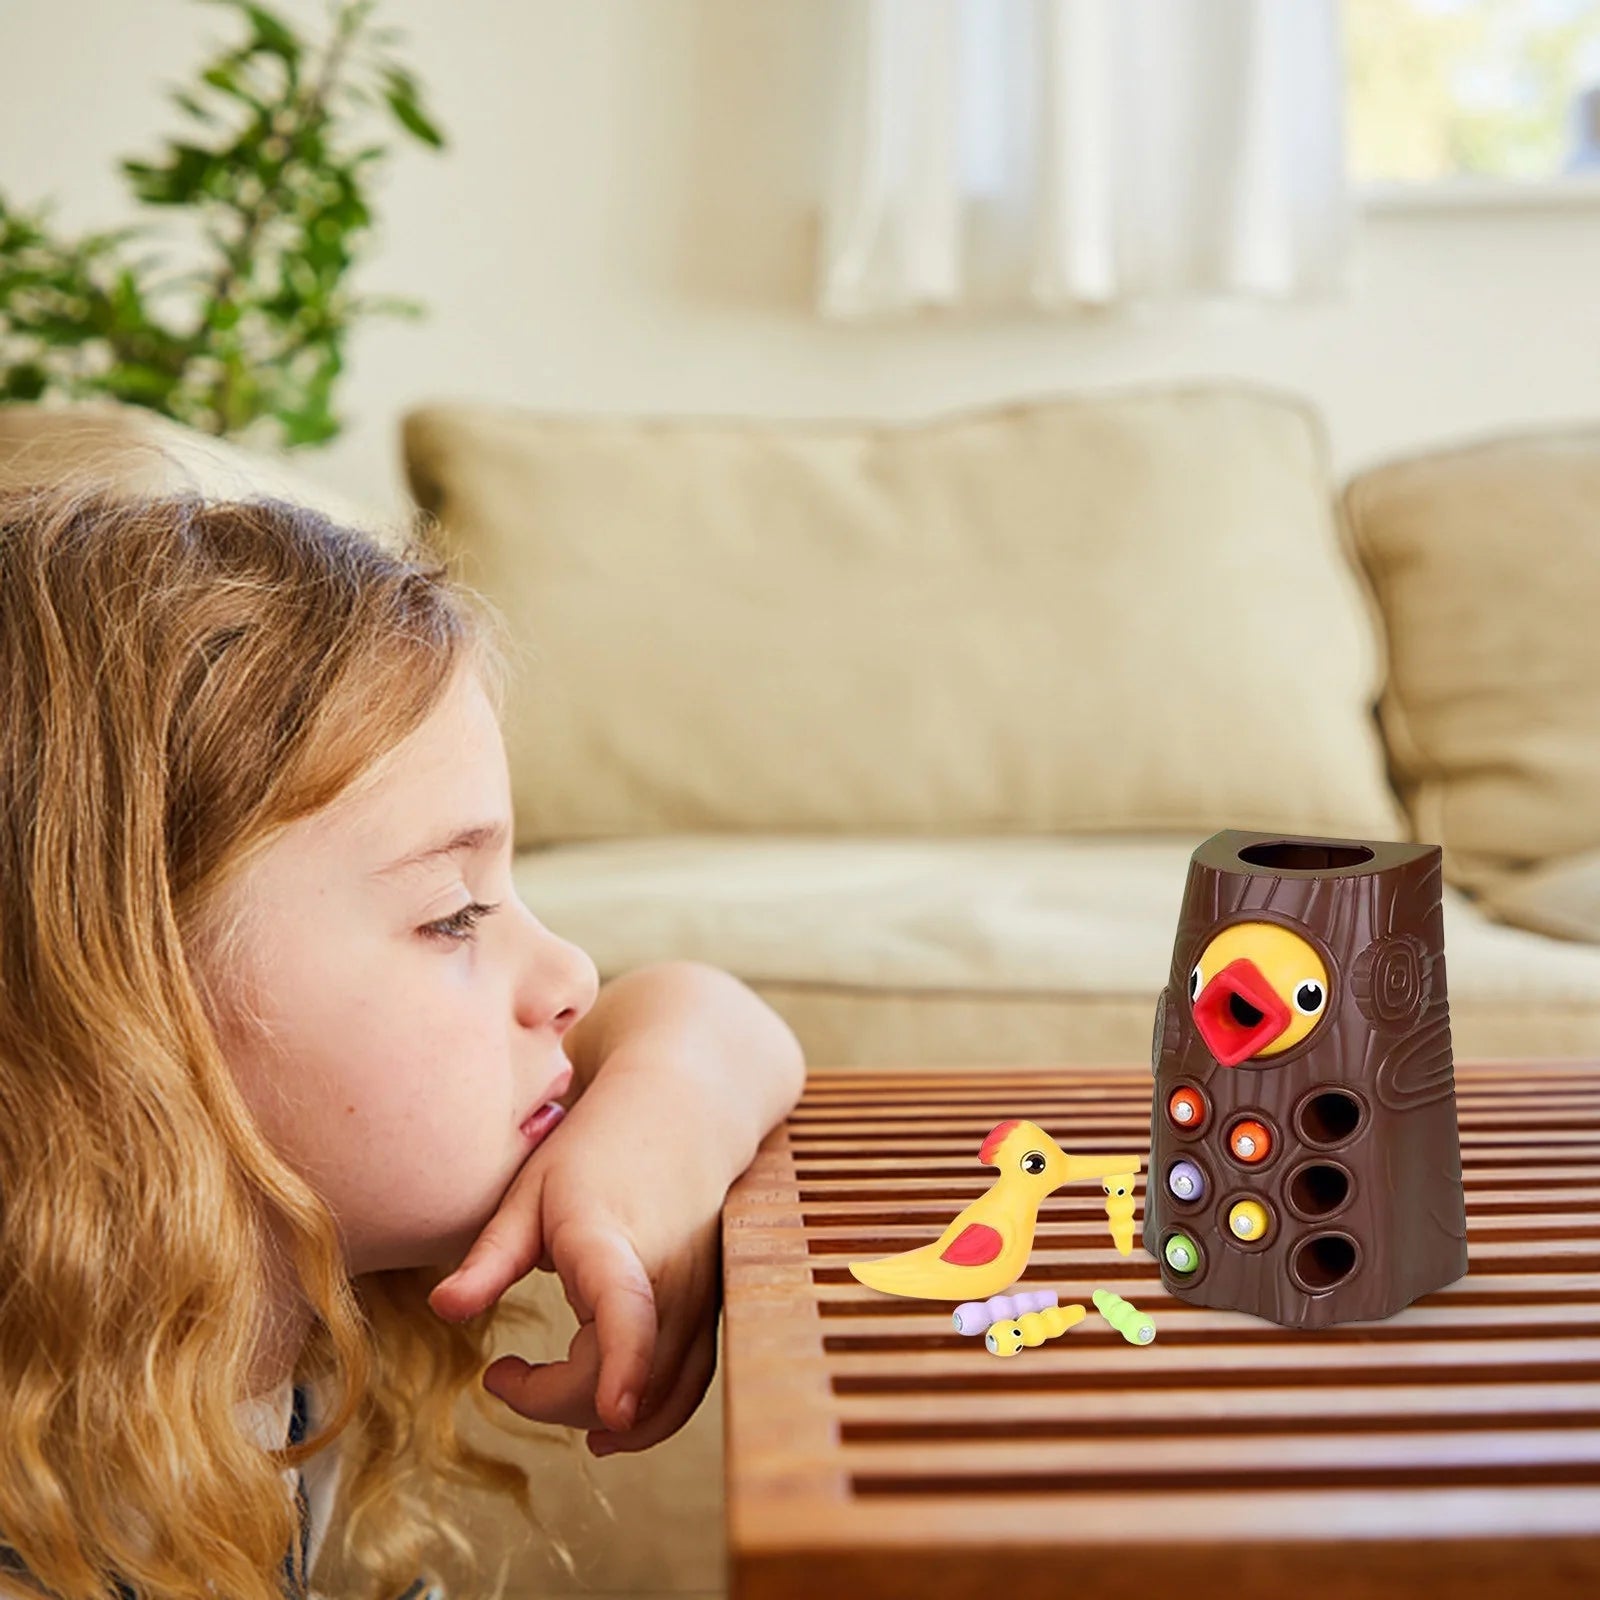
615 1203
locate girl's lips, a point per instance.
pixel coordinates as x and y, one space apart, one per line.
535 1127
543 1118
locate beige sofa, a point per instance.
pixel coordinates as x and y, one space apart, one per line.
914 727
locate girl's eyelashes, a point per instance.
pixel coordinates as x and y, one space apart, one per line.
458 927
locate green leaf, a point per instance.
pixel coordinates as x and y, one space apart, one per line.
224 75
184 176
401 93
187 102
135 381
27 380
272 33
269 32
125 303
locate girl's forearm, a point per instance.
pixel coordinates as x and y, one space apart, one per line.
678 1027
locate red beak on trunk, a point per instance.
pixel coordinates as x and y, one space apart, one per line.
1238 1012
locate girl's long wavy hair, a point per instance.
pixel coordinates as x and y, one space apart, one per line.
182 677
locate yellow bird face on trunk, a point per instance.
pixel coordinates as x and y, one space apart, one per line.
1257 989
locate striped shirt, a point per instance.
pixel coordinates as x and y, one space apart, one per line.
299 1410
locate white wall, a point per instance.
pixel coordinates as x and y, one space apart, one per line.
625 222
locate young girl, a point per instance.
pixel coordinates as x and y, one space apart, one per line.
279 1044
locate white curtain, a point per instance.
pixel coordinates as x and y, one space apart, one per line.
1055 152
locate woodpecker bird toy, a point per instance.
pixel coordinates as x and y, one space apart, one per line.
986 1247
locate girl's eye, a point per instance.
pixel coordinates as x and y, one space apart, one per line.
459 927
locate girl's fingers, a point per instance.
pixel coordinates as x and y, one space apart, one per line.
509 1248
551 1391
675 1407
671 1356
605 1271
688 1300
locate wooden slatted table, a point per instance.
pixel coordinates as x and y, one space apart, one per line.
872 1451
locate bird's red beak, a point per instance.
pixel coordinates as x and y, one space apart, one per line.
1238 1012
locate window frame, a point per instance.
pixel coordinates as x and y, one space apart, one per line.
1558 192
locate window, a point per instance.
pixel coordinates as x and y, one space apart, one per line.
1466 96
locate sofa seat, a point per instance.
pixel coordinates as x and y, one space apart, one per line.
884 951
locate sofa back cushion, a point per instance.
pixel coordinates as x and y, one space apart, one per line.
1486 561
1123 612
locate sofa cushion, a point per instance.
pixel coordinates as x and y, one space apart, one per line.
1486 562
986 950
1562 897
1116 612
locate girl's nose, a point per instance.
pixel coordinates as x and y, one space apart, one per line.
561 984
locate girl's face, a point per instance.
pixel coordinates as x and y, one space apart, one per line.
399 1057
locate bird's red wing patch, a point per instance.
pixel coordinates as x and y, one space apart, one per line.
976 1244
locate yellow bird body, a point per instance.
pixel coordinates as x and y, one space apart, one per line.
985 1249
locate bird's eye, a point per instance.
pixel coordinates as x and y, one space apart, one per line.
1309 996
1034 1162
1194 982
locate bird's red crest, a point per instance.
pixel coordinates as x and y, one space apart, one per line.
996 1135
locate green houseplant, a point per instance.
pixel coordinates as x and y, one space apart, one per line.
276 175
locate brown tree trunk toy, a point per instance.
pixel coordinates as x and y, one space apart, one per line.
1305 1159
